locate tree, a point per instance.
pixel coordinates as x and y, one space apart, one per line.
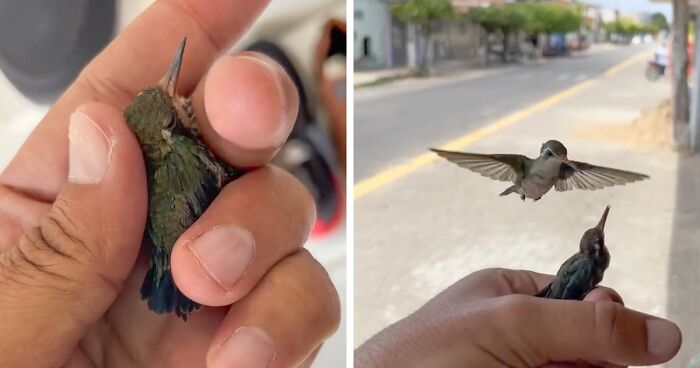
551 18
424 14
535 18
659 22
505 19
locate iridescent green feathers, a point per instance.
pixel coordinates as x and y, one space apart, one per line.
181 187
183 177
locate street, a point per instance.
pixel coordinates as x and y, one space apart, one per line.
422 230
393 124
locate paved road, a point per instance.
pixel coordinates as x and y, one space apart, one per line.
419 234
391 124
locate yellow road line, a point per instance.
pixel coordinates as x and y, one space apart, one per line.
627 62
394 173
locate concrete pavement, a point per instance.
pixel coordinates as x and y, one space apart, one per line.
422 232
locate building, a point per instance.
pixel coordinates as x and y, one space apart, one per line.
380 40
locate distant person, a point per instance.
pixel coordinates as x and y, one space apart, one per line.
661 55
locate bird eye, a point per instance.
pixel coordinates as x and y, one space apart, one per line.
547 154
169 124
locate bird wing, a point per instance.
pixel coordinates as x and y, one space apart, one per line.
185 188
579 282
561 286
591 177
501 167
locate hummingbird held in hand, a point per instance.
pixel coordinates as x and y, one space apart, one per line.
533 178
183 177
584 270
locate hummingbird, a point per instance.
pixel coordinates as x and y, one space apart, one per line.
584 270
533 178
183 178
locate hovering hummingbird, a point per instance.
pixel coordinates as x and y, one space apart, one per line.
183 176
533 178
584 270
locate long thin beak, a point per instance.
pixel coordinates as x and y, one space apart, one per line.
169 81
601 224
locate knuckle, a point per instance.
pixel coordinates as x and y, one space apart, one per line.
514 305
488 274
67 238
327 296
513 310
103 87
607 322
314 293
33 263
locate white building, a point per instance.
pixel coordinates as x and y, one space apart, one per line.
379 39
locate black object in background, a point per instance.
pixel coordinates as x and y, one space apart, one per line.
45 43
308 153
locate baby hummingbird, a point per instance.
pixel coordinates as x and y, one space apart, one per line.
584 270
183 178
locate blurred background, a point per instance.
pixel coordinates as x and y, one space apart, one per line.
44 44
612 80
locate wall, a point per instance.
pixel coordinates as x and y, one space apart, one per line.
372 23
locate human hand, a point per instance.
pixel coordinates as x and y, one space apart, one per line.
69 273
490 319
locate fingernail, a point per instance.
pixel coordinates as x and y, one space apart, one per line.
287 92
224 253
249 347
89 150
663 338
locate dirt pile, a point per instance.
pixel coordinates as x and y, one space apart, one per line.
651 129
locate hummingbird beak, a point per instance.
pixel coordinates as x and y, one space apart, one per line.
601 224
169 81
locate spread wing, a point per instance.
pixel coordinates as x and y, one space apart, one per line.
591 177
497 167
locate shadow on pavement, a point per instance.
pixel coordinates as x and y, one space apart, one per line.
683 303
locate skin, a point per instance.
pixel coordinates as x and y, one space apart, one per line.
81 307
490 319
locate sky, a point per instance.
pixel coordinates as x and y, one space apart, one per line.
636 6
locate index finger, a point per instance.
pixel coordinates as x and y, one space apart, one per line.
495 282
134 60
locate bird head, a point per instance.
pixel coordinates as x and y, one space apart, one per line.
555 150
593 240
152 115
554 146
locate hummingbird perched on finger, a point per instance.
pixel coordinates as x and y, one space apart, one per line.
533 178
183 177
584 270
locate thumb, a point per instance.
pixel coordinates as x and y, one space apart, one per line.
63 275
601 331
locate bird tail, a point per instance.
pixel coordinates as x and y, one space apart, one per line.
544 293
160 291
511 189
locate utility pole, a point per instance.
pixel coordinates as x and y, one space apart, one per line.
679 56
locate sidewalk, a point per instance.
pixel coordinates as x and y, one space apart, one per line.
364 78
432 227
369 77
